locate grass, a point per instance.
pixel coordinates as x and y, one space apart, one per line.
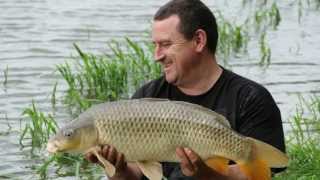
107 77
234 38
304 6
39 129
267 16
265 51
53 96
5 73
303 144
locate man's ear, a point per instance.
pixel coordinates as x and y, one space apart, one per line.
200 40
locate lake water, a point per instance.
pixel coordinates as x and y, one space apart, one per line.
36 35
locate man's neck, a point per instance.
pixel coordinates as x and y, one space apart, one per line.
204 77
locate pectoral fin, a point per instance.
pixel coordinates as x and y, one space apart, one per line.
219 164
152 170
108 167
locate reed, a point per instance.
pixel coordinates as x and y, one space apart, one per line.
53 96
38 129
303 144
265 51
5 75
107 77
233 39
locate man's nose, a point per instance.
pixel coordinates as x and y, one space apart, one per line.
158 54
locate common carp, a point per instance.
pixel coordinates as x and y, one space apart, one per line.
148 131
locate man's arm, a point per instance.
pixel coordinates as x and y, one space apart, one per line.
124 170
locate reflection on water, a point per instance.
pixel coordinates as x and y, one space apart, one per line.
36 35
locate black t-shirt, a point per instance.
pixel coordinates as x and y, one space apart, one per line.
247 105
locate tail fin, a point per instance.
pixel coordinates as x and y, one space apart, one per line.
263 157
271 155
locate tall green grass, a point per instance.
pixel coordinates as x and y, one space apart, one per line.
234 37
92 79
303 145
265 51
5 75
39 129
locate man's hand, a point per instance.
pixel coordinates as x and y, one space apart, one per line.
192 165
123 169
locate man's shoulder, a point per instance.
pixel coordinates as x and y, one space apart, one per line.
245 86
150 88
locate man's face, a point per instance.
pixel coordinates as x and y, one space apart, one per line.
175 53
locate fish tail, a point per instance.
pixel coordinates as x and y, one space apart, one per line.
255 169
263 156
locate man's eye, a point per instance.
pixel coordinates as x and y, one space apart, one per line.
165 45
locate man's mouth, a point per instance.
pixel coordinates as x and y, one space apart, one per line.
167 65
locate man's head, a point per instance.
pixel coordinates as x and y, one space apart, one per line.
193 15
184 31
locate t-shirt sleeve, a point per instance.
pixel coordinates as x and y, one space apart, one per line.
260 118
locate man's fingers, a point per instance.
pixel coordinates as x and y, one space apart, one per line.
91 157
112 155
120 162
105 151
194 158
185 163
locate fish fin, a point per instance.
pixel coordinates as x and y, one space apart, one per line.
153 99
271 155
218 116
152 170
255 168
108 167
218 163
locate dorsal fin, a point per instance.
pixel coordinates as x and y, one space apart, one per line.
219 118
153 99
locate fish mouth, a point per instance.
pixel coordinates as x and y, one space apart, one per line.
52 147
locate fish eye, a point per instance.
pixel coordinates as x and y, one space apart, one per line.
68 133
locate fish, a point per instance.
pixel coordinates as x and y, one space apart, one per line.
148 131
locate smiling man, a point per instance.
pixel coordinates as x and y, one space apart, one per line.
185 36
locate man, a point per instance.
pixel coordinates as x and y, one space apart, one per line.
185 36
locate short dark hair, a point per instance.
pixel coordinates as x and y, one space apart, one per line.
193 15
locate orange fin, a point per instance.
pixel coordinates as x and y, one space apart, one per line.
218 163
255 168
